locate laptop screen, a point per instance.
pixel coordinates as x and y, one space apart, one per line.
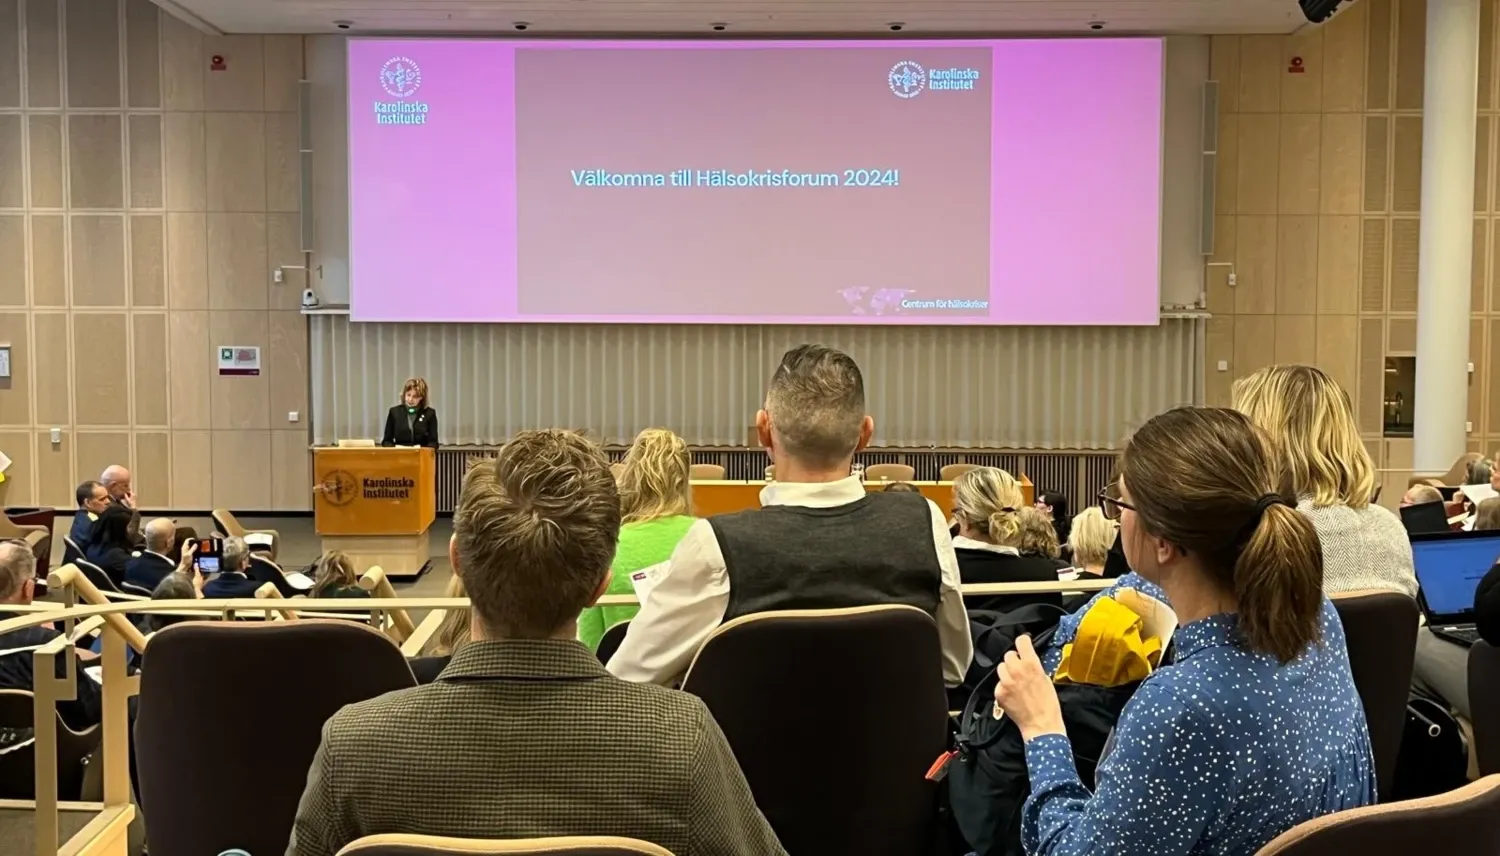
1449 570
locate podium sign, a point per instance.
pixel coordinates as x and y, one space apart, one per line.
376 504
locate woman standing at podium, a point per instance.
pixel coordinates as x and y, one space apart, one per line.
412 422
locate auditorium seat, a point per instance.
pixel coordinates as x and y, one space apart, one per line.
890 472
706 472
264 570
861 689
71 551
225 520
1484 705
1465 821
615 469
17 752
97 576
953 471
1381 632
230 715
1456 475
609 643
432 845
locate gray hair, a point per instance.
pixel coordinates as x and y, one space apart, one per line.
1480 470
236 553
17 565
817 404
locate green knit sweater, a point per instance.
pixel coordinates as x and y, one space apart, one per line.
642 545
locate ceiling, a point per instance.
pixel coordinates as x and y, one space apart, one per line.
742 17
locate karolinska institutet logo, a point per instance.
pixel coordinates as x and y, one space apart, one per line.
400 77
908 79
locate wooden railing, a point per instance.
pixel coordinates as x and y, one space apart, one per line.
85 610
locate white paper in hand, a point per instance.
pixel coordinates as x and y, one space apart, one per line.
646 579
1478 493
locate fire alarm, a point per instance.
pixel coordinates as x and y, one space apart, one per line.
1296 66
216 63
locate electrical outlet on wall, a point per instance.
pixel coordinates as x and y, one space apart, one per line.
292 416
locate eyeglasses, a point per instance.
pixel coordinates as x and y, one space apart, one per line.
1112 506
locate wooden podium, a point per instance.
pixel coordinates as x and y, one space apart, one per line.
376 504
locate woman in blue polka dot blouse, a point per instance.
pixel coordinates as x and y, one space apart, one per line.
1255 726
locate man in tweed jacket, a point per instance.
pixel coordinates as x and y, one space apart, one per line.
525 734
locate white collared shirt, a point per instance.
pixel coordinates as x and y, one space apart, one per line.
962 543
690 600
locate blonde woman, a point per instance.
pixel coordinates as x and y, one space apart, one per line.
451 635
1310 423
987 505
1038 536
412 422
1091 538
1488 515
334 576
656 510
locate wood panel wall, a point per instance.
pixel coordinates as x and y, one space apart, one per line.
144 201
1318 199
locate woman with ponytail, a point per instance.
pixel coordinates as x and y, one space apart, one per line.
987 507
1255 726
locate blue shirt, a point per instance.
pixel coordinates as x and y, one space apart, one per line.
1217 753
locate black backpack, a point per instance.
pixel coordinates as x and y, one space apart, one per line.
987 780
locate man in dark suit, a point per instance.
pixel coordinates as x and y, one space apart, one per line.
148 567
231 581
524 734
92 498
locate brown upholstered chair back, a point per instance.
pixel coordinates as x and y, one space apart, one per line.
706 472
1484 704
18 763
863 686
230 716
431 845
1381 630
889 472
953 471
1465 821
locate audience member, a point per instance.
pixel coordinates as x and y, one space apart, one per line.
231 581
1311 425
1488 515
819 540
181 584
1255 726
987 505
1481 471
1420 494
17 664
525 731
92 500
900 487
334 576
453 633
1055 506
656 507
1038 535
116 480
148 567
1091 536
111 541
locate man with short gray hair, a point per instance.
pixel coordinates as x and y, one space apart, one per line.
17 585
818 541
149 566
232 580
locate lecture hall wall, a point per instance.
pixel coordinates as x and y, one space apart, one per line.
1319 192
144 200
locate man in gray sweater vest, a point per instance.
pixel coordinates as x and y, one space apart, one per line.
819 541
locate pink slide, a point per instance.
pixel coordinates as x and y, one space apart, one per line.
953 182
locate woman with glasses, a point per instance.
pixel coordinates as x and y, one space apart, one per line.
1255 725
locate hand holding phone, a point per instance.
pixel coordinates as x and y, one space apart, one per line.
207 554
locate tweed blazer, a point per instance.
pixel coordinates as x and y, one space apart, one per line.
520 739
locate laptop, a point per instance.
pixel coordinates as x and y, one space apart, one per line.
1425 518
1449 567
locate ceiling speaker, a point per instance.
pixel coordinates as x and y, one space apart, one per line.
1319 11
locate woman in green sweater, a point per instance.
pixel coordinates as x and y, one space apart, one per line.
656 508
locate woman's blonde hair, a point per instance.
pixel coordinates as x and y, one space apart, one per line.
1091 537
1488 515
990 499
655 481
1038 535
418 384
1310 423
334 570
453 633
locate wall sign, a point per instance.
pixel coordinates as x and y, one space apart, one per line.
239 360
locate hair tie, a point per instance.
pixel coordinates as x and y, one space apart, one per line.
1267 501
1007 510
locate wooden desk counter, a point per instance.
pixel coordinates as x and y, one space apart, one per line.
723 497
